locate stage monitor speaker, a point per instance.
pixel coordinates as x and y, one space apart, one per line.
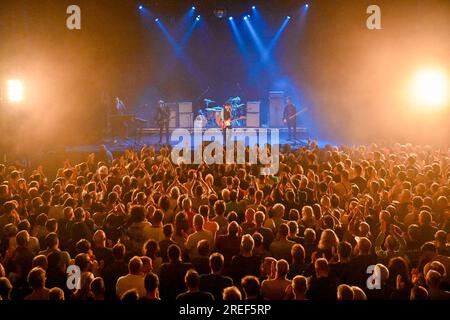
186 120
185 107
276 108
253 120
253 106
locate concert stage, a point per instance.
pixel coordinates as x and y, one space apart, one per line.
150 136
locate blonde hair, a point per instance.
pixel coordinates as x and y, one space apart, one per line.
328 239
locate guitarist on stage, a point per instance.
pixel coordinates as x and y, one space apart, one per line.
227 120
162 118
290 118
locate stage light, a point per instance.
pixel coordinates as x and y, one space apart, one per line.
198 18
157 19
14 91
288 17
220 13
141 7
230 18
306 5
429 89
245 18
193 8
253 7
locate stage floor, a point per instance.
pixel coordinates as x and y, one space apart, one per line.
153 139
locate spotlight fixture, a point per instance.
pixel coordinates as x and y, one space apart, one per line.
253 7
198 18
307 5
157 19
230 18
220 13
288 17
245 18
193 8
141 7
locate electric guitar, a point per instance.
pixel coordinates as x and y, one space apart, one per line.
227 123
296 114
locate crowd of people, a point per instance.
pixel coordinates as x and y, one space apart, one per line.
348 223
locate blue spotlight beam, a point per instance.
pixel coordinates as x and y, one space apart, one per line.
255 37
276 38
189 33
169 37
237 35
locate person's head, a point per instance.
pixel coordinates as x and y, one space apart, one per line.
203 248
382 271
433 279
79 214
219 207
56 294
418 293
344 250
99 239
5 288
147 265
298 254
278 210
307 214
247 244
192 280
130 295
321 268
398 266
83 246
158 217
174 253
168 230
36 278
358 294
118 251
328 240
97 287
440 238
259 218
216 261
40 261
233 229
51 240
22 238
82 261
150 248
151 282
137 213
345 292
425 218
282 268
268 267
299 286
198 222
135 265
283 231
251 287
310 235
364 246
231 294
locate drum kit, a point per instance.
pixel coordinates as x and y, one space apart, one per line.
214 113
